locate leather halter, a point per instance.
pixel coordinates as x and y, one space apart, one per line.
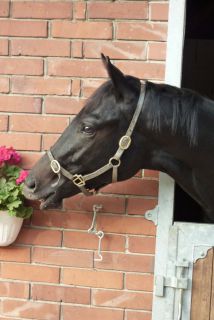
113 163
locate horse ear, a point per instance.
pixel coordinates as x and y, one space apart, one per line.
117 77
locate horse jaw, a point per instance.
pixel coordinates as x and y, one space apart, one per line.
50 203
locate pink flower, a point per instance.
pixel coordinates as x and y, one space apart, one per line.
9 155
4 155
15 158
22 176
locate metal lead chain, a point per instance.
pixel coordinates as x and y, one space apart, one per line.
100 234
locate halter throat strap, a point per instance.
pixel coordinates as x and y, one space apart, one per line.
113 163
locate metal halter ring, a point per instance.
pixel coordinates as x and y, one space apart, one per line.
114 162
55 166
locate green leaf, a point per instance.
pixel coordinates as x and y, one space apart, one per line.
24 212
14 204
11 171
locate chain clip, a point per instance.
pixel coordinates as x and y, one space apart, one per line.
93 230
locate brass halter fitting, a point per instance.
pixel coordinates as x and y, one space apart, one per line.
125 142
55 166
78 180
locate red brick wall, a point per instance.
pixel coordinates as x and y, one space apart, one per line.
49 65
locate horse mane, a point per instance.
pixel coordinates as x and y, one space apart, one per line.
178 105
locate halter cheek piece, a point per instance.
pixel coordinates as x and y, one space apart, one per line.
113 163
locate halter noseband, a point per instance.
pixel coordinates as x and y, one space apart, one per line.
114 162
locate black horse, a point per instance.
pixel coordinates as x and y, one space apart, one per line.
125 126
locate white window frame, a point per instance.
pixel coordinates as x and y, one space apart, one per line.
173 72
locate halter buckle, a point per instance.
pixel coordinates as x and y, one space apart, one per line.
125 142
78 180
55 166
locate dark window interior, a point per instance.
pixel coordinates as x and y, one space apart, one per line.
197 74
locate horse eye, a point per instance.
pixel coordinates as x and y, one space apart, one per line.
88 130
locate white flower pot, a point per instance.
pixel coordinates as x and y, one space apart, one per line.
9 228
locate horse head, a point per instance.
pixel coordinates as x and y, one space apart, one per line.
91 142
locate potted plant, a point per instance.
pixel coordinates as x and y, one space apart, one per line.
12 207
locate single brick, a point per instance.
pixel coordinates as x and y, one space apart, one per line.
76 87
22 141
157 51
4 47
122 299
3 122
60 294
126 262
91 313
19 66
125 224
42 237
62 257
28 272
77 49
76 68
4 84
142 245
41 86
4 8
20 104
19 28
141 31
63 105
40 47
138 315
79 10
139 206
143 70
14 289
37 123
30 309
92 278
118 10
139 282
82 29
42 9
15 254
159 11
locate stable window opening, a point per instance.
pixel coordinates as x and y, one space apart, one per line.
198 75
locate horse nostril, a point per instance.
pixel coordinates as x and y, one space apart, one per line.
30 182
